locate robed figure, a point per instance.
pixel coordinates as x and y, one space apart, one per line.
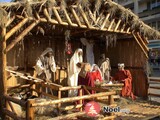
124 76
74 70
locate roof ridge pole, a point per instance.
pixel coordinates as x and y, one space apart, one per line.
3 75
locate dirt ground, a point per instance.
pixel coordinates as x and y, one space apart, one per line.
139 110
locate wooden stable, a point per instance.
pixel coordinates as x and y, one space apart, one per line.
27 28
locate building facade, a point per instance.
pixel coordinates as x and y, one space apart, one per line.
147 10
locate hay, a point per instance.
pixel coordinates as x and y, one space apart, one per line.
3 17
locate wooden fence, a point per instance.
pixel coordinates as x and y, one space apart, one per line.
37 85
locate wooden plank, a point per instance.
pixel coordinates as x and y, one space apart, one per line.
21 36
49 95
154 80
155 87
69 88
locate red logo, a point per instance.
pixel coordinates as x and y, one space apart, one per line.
92 109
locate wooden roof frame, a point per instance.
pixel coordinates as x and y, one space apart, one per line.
41 14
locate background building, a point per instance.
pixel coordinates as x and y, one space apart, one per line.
147 10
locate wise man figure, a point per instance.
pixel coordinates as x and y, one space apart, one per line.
74 70
45 65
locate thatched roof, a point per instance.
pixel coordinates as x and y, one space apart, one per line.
95 14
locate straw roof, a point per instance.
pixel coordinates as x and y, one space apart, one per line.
95 10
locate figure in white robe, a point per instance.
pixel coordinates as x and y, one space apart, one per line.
74 70
89 50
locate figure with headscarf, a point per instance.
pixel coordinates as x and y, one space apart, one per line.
124 76
74 70
45 65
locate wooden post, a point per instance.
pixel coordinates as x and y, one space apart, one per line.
59 97
3 75
81 101
30 110
111 101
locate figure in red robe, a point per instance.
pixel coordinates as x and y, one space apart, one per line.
91 77
124 76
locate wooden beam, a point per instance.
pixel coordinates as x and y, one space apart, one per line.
140 45
69 88
77 18
84 17
109 28
145 46
45 12
3 75
16 28
104 22
144 39
58 17
68 18
119 21
122 29
21 36
128 30
72 99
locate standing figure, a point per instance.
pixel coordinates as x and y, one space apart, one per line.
124 76
89 50
106 68
74 70
46 66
